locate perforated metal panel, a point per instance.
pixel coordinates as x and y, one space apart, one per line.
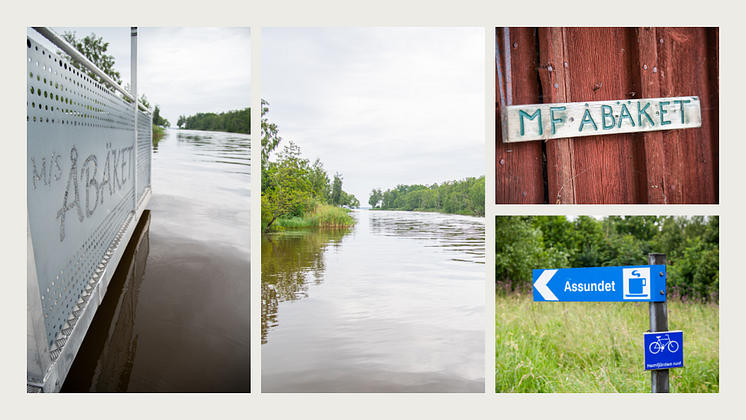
144 151
81 163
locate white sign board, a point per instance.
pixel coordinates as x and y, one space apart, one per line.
576 119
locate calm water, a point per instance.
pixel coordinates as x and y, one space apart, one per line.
395 304
178 321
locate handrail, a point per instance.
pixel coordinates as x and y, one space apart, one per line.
60 42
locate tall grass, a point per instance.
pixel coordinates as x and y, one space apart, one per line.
323 215
596 346
158 132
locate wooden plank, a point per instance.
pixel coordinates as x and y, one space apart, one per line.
580 119
555 80
688 63
649 73
588 65
519 176
600 62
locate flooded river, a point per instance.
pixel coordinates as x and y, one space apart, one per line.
395 304
176 316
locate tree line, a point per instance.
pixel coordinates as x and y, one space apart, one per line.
459 197
94 49
691 245
291 185
238 121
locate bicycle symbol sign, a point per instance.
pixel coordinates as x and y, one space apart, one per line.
663 341
664 350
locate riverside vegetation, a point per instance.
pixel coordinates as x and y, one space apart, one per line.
598 346
296 193
238 121
457 197
94 49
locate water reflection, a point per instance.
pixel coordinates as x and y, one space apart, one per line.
111 334
290 262
183 325
395 305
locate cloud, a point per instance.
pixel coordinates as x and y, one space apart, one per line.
190 70
184 70
382 106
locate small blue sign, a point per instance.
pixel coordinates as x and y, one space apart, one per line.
664 350
646 283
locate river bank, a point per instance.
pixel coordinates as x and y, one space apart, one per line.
393 304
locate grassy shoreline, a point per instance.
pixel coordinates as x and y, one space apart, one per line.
597 346
466 213
323 215
158 132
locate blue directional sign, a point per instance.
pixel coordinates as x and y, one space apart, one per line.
646 283
664 350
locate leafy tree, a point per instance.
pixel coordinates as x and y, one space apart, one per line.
460 197
558 232
157 120
319 182
590 242
93 48
337 190
238 121
288 190
143 100
375 197
270 137
181 121
520 248
641 227
690 243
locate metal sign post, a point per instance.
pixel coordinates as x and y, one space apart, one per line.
658 322
621 284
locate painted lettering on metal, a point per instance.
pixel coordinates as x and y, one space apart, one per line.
93 177
551 121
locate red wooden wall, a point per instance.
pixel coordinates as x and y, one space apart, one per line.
549 65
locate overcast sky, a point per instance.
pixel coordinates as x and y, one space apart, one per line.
183 70
381 106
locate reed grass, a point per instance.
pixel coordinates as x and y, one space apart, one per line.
596 346
323 215
158 131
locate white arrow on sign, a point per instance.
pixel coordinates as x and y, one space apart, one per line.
541 285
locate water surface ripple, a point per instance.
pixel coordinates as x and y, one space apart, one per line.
179 322
395 304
